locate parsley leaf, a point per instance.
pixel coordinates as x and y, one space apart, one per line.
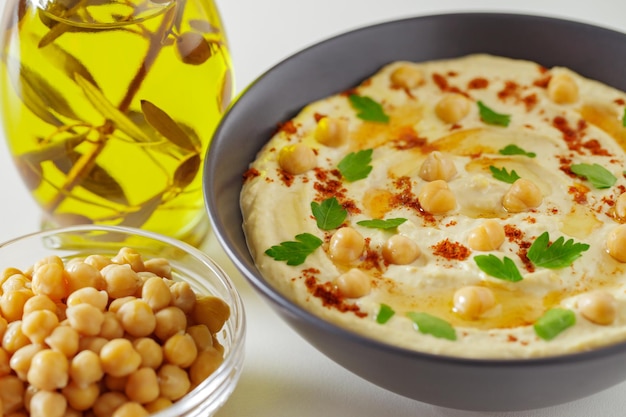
368 109
557 255
516 150
503 269
428 324
624 119
329 214
553 322
356 165
504 175
384 314
596 174
491 117
382 224
296 252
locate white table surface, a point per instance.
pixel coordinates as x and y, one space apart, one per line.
284 376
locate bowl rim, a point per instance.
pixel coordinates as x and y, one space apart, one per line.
284 304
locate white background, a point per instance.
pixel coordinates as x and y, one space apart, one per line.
284 376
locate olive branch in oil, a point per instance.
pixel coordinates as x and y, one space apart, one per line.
153 127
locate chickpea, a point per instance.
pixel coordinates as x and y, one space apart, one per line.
156 293
64 339
130 257
331 131
83 275
488 236
98 261
522 195
92 343
435 197
205 364
173 381
111 327
48 404
599 307
13 337
39 324
119 302
48 260
377 202
562 89
81 397
150 351
201 336
180 349
121 280
452 108
8 272
12 391
23 357
85 368
48 370
472 301
3 326
620 206
354 284
50 279
400 250
137 318
157 405
85 318
437 167
130 409
119 358
169 321
12 303
297 159
15 282
346 245
211 311
108 402
616 243
159 266
142 386
183 296
39 302
407 76
88 295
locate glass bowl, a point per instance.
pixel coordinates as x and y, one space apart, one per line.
188 264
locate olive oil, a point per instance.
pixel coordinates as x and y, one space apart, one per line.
109 106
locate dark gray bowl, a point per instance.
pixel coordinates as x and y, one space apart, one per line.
342 62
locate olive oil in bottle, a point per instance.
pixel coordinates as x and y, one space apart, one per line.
109 106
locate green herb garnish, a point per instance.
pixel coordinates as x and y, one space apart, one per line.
382 224
491 117
295 252
503 269
559 254
553 322
516 150
384 314
504 175
329 214
368 109
596 174
356 165
428 324
624 118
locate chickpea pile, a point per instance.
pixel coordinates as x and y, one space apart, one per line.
103 336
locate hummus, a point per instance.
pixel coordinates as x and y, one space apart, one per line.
466 207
